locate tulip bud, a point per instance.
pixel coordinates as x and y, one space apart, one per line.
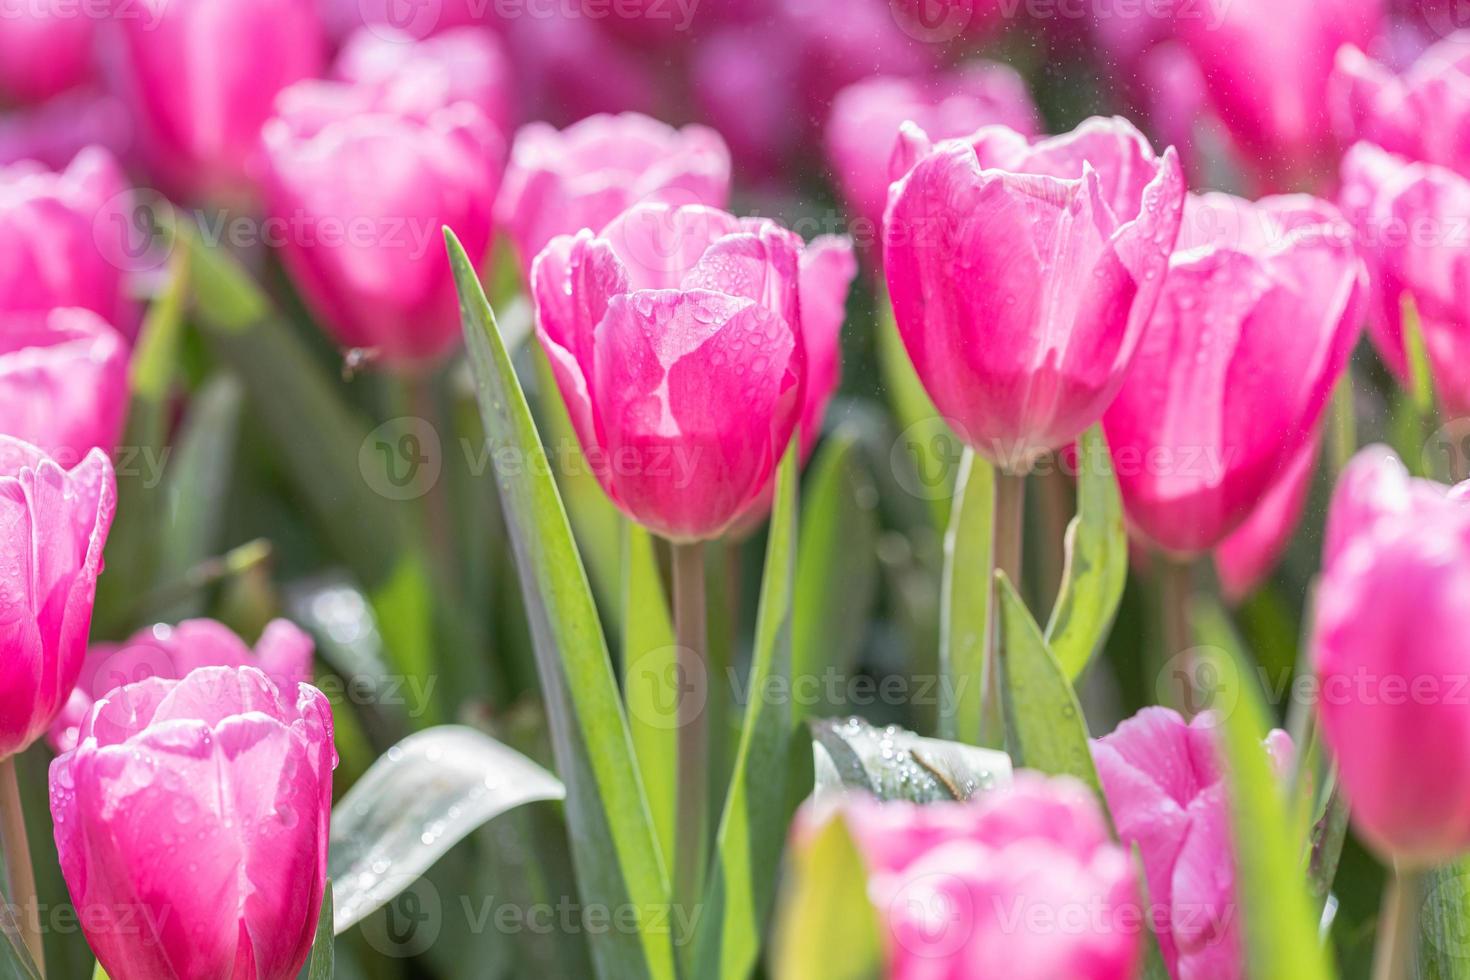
1022 275
866 118
1259 314
1388 644
283 653
46 48
202 76
53 524
363 185
675 338
63 239
1023 882
1163 781
201 808
1413 225
589 173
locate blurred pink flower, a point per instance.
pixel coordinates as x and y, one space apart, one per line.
568 68
283 653
363 182
1022 275
46 48
866 117
201 76
1413 225
64 239
951 881
675 338
1423 114
200 807
54 132
53 524
1247 556
589 173
1163 780
464 64
1387 640
1260 312
63 382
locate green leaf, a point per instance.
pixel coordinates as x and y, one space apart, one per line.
836 565
15 960
1097 560
1421 375
417 801
1444 952
320 964
827 927
894 764
1279 929
651 680
1044 724
965 601
619 863
198 489
742 882
99 973
325 448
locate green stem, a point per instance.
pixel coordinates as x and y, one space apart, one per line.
1010 517
1398 926
18 862
690 633
1178 632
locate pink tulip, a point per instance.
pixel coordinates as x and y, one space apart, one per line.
416 19
828 268
202 76
1266 64
1413 224
996 887
64 239
866 118
53 524
1247 556
1391 662
45 49
198 808
1163 780
1022 275
574 67
1423 114
1258 317
63 382
363 188
465 64
675 338
589 173
53 133
283 654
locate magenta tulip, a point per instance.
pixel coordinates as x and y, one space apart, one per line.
198 808
1391 662
589 173
1247 556
570 68
416 19
1267 65
465 64
362 189
1413 224
53 524
1163 781
1259 314
46 48
64 239
866 118
1024 883
283 653
1022 275
675 338
828 268
53 133
1423 114
63 382
202 77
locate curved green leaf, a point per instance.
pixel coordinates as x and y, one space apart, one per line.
965 602
617 856
827 926
1097 560
321 964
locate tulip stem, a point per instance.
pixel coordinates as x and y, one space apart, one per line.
692 789
1398 926
18 862
1010 515
1174 588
